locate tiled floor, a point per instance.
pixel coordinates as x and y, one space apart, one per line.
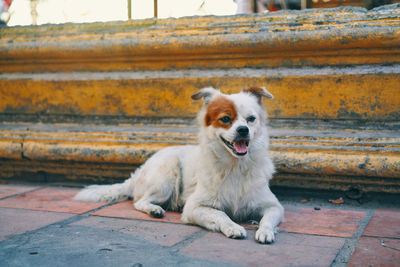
371 252
309 237
328 222
50 199
380 242
19 221
160 233
9 190
126 210
289 250
384 223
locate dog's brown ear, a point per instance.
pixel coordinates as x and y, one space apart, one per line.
205 93
259 92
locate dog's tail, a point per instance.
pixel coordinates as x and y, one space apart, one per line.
107 193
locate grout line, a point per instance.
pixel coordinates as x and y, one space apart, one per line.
25 192
81 216
382 237
137 219
189 239
386 246
346 252
88 213
100 208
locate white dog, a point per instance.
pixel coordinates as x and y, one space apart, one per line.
223 179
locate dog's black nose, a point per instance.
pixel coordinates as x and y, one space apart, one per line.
243 131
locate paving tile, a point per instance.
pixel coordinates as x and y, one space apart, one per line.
160 233
9 190
370 252
126 210
384 223
327 222
50 199
17 221
289 249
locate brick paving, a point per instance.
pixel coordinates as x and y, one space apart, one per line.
380 242
44 226
10 190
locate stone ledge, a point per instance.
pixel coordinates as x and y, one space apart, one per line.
366 93
328 158
319 37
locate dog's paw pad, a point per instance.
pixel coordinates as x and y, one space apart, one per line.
157 213
235 232
265 236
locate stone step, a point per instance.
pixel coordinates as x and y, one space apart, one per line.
366 93
335 158
91 102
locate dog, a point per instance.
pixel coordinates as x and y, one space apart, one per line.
219 182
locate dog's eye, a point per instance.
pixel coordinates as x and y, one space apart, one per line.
251 119
226 119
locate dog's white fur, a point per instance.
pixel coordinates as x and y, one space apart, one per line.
214 186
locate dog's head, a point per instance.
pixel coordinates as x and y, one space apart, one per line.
233 121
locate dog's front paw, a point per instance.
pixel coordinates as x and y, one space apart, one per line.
157 212
234 231
265 236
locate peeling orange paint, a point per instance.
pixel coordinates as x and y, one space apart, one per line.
371 97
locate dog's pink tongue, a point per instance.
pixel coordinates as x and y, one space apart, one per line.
240 147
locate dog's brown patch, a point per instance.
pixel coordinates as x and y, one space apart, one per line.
219 108
254 90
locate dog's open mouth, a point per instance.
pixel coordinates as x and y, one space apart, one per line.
238 147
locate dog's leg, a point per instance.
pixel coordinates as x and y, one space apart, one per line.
155 184
214 220
272 216
154 197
